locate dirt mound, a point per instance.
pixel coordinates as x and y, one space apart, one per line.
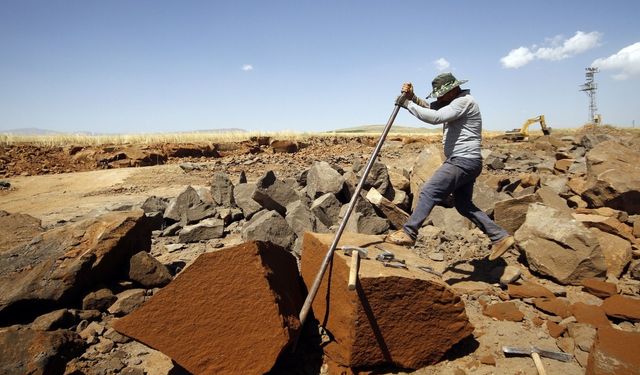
29 159
600 129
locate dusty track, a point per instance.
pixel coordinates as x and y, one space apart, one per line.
54 198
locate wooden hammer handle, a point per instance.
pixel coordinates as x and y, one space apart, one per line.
353 270
538 361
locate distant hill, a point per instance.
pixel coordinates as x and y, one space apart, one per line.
44 132
29 131
394 129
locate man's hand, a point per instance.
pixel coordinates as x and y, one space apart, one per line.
407 90
406 95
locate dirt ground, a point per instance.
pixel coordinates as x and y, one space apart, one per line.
60 197
54 197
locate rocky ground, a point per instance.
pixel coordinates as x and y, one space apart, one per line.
87 239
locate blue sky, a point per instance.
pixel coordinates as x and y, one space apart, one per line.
159 66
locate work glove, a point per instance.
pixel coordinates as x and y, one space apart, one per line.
407 89
402 101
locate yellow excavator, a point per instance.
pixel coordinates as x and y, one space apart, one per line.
522 134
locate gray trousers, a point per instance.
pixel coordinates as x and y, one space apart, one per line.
456 176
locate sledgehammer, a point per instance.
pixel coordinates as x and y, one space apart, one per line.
355 253
536 353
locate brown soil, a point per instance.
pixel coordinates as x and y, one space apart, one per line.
29 160
55 197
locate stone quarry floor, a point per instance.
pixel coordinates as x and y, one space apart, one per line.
62 197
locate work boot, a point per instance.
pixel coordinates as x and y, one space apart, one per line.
400 237
500 247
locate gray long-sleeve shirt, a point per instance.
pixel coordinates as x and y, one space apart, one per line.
462 125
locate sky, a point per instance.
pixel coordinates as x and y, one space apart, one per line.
149 66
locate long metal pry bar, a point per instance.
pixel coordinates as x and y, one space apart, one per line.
327 258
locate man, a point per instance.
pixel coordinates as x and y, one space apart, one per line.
459 113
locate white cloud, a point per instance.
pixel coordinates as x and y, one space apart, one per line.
247 67
441 64
517 57
556 48
625 62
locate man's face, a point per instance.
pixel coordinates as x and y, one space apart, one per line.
449 96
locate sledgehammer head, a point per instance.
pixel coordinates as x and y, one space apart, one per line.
560 356
348 250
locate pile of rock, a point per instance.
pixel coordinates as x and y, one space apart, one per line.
574 223
280 211
60 290
572 220
599 334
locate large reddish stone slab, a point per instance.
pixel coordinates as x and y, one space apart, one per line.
403 317
614 352
589 314
232 311
622 307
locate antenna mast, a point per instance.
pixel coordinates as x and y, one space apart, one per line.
590 87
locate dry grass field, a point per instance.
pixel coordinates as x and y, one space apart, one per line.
224 137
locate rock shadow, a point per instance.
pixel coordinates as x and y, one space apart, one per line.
305 355
484 270
307 358
462 349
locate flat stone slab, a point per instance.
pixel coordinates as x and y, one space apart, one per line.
529 290
599 288
504 311
402 317
622 307
232 311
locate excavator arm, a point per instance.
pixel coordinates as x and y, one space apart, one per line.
522 134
